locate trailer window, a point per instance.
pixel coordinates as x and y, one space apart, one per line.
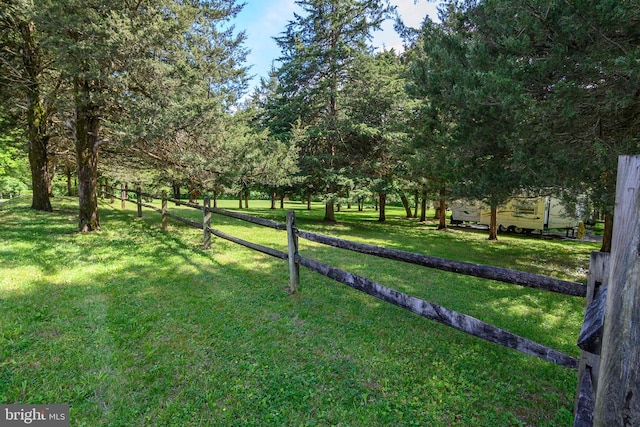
525 208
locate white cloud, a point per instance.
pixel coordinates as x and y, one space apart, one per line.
412 14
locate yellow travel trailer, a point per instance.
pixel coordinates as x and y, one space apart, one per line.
520 214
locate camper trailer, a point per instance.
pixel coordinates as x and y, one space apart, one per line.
520 214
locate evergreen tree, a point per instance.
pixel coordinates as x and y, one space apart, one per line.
472 98
14 166
374 102
26 79
579 64
319 49
113 54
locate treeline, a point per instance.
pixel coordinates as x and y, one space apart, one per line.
499 98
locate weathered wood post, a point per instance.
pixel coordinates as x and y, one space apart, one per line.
123 195
164 210
292 240
618 396
206 222
590 339
139 200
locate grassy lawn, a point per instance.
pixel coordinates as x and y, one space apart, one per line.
134 326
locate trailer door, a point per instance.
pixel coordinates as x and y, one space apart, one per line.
547 208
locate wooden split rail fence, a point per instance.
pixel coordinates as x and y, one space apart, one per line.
618 406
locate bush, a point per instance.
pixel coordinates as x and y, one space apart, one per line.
10 185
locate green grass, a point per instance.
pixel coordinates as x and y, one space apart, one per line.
134 326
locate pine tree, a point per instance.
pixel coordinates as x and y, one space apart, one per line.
473 109
318 54
25 79
116 54
373 122
578 63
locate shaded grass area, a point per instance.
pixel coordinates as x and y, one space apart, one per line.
136 326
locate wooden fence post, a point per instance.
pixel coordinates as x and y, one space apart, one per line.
618 396
123 195
590 356
292 240
139 200
206 222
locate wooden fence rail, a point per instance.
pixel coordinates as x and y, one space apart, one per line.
260 221
590 340
146 205
477 270
194 224
255 220
264 249
453 319
609 367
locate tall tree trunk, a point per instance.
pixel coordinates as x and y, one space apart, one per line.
607 237
405 203
240 199
442 214
282 200
175 187
415 210
87 141
246 199
39 171
493 223
382 213
273 200
423 207
215 199
51 174
329 214
329 207
106 188
36 120
69 185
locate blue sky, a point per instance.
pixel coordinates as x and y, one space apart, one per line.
264 19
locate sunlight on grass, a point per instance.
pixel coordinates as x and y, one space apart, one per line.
139 326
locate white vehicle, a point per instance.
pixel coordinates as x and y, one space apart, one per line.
520 214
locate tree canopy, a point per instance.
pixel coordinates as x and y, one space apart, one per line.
498 98
320 50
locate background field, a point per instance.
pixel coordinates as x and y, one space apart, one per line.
135 326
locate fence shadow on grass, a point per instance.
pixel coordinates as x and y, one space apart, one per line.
232 328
